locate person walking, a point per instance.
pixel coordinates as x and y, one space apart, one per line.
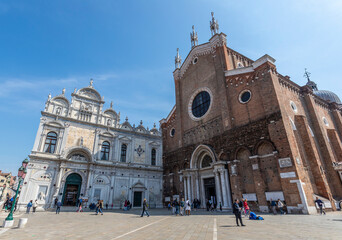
273 207
144 210
187 207
56 201
246 207
320 204
99 207
182 203
281 206
29 205
220 206
237 212
34 206
176 204
58 206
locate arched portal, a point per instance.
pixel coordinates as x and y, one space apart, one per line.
207 178
72 189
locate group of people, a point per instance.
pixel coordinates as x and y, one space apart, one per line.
180 207
9 202
32 205
127 205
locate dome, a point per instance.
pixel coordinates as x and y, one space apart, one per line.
328 96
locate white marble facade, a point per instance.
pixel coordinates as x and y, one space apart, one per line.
82 150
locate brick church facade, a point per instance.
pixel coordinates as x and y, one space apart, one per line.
241 129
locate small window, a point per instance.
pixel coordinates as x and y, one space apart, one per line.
293 106
195 60
50 142
172 132
325 121
123 153
105 150
239 65
245 96
153 157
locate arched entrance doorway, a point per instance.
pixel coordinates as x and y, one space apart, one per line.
207 178
72 189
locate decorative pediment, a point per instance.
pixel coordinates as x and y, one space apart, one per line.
127 126
154 143
61 100
138 185
125 138
54 124
89 93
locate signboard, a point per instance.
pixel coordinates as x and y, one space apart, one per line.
274 196
250 196
288 175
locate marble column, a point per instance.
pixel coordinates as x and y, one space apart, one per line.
218 188
184 191
189 189
229 195
224 189
197 188
57 185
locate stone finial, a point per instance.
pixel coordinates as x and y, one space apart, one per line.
193 37
75 90
91 82
141 122
63 91
49 97
310 83
111 104
214 26
154 125
178 60
126 119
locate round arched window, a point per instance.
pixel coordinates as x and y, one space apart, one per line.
245 96
200 104
206 161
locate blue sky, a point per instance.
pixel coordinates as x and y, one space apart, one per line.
128 48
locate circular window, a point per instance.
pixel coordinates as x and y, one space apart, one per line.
245 96
200 104
293 106
195 60
172 132
326 123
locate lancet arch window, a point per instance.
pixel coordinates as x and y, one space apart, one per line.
123 153
153 157
105 150
206 161
50 142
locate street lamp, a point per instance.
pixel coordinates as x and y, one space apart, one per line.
21 175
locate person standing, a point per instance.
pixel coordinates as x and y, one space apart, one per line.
34 206
220 206
29 205
58 206
144 210
237 212
281 206
56 201
176 204
107 205
187 207
320 204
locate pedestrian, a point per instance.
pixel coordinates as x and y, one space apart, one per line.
320 204
182 203
56 201
169 207
144 210
34 206
187 207
79 209
246 207
173 207
176 204
99 207
220 206
241 205
16 203
29 205
208 205
107 206
281 206
129 205
237 212
58 206
273 207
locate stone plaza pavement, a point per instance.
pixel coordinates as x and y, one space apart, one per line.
161 225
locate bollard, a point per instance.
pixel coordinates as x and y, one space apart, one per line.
22 222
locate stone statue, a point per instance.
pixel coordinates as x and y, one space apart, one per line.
91 82
81 142
75 90
41 196
49 97
111 104
63 91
